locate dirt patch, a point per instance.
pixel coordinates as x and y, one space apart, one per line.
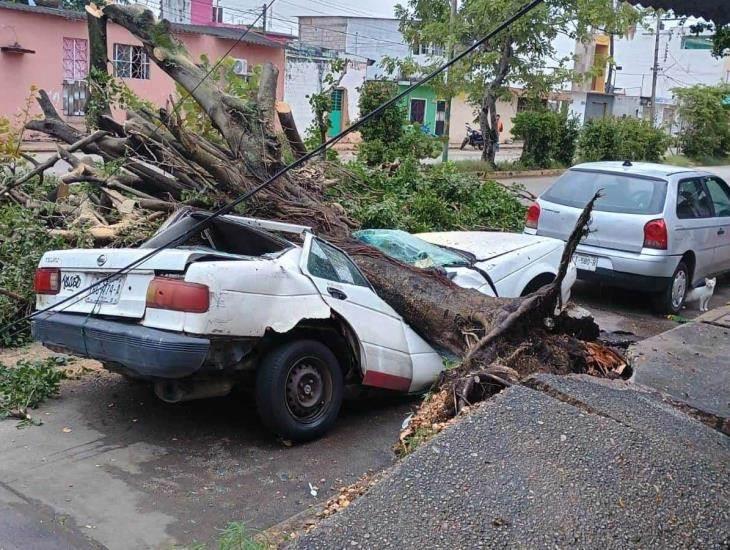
35 351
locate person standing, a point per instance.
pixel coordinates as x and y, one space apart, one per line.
499 129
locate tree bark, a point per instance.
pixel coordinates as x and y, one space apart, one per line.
488 113
98 73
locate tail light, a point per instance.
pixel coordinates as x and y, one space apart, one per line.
532 217
47 280
165 293
655 235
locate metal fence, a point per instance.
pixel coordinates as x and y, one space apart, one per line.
75 95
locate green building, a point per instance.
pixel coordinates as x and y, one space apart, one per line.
424 108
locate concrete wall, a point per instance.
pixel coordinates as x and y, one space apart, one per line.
304 76
44 34
325 32
463 113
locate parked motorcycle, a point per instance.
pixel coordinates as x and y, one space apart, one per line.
473 138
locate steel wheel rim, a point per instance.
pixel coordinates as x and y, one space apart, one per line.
308 390
679 287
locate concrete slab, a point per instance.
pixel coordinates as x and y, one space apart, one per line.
691 363
719 317
575 463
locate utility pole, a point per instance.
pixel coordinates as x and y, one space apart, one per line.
655 68
263 17
447 111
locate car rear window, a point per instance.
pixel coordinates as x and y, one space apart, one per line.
619 192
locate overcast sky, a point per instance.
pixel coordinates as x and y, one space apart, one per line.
285 11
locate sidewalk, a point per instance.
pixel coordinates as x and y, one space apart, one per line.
565 461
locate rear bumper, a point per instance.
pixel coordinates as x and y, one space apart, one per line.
145 351
631 263
629 281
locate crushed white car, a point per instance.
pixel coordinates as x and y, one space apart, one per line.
236 304
499 264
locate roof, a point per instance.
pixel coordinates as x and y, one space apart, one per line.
370 17
711 10
227 33
639 168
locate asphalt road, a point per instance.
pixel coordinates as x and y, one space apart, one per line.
113 465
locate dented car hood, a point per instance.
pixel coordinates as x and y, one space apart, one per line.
483 245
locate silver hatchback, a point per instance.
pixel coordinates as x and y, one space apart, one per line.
656 228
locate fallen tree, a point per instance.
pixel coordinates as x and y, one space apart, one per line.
158 164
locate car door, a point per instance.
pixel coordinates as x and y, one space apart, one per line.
385 358
696 228
720 195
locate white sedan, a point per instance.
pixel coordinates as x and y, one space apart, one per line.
241 303
497 264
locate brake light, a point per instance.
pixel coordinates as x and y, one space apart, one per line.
47 280
655 235
532 217
165 293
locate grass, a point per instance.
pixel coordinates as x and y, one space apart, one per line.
681 160
235 536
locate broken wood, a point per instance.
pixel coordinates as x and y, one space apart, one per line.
286 119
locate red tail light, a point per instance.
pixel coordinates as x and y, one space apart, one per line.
164 293
655 235
532 217
47 280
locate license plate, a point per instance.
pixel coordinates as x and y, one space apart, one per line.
105 293
588 263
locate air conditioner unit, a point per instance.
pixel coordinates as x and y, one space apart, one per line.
240 67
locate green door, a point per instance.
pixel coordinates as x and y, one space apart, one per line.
336 113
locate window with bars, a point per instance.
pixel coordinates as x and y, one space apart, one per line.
75 59
131 62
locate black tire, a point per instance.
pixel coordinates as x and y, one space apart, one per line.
667 301
299 390
463 143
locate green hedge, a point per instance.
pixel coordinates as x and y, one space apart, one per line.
549 138
622 139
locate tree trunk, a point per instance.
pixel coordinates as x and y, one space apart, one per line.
98 73
286 119
488 113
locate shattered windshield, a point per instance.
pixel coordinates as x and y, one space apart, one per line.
410 249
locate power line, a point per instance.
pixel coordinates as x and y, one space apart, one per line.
295 164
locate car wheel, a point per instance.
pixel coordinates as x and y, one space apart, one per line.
299 390
671 299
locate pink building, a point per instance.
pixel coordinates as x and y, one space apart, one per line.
48 48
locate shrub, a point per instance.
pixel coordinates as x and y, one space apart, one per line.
24 238
706 120
419 198
622 139
549 137
27 385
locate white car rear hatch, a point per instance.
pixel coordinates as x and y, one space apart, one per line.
628 201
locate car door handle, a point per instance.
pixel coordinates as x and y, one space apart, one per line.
721 231
336 293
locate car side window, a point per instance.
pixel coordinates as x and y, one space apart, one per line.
720 196
326 262
693 200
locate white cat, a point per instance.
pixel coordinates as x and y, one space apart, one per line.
702 294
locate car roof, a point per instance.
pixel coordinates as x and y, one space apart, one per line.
639 168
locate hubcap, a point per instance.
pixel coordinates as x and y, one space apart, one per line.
308 389
679 287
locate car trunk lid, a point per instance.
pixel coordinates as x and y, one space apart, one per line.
122 296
